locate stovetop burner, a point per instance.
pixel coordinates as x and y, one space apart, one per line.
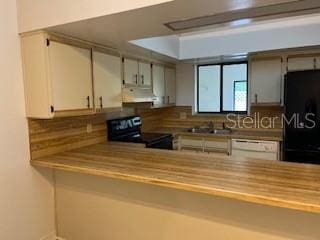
147 137
128 129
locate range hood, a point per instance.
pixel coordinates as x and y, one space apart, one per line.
137 95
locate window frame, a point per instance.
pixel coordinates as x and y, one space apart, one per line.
221 87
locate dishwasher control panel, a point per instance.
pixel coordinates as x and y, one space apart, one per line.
266 146
267 150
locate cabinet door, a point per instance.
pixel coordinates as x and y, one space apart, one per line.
190 143
131 70
216 145
107 81
301 63
145 74
266 77
158 84
170 79
71 77
35 75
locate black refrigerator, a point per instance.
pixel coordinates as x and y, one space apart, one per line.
301 118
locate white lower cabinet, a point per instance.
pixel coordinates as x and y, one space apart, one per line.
267 150
204 144
196 144
216 145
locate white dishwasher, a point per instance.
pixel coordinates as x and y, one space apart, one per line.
267 150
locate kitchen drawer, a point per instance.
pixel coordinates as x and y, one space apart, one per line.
216 145
194 143
192 149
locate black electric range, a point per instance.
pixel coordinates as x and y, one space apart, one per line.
128 129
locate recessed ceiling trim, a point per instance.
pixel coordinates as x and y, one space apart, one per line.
296 8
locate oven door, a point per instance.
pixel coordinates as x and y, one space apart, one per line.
164 143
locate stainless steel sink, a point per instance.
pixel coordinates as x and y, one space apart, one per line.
200 130
206 130
222 131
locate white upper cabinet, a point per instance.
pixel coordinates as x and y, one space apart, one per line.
107 81
158 84
65 77
266 80
170 80
71 77
301 63
144 74
57 77
131 72
137 73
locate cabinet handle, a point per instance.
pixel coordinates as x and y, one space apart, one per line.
168 99
88 101
136 77
101 104
142 79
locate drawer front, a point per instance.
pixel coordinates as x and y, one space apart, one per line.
216 145
192 150
193 143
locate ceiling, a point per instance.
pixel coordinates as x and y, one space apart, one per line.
117 29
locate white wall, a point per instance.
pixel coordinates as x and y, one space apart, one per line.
168 46
38 14
26 195
90 207
185 88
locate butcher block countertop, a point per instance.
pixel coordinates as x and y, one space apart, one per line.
287 185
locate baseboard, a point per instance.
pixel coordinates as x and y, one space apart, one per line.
52 236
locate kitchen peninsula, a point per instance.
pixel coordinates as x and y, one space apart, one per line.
287 185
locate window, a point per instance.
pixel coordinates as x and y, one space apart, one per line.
223 88
240 95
